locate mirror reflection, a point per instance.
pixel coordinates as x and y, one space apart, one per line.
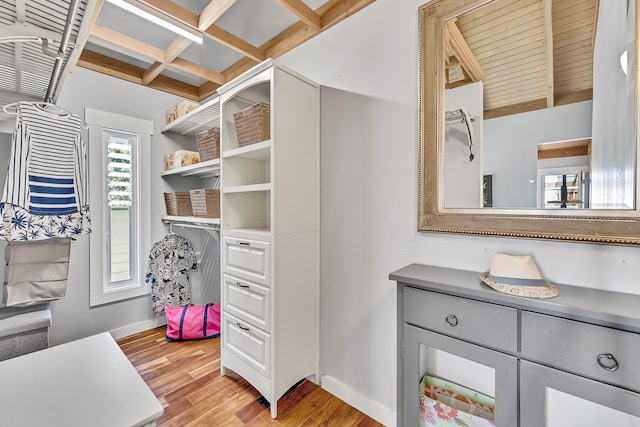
539 106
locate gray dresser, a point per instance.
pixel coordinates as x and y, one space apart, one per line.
585 343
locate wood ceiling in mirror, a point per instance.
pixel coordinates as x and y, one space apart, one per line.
530 54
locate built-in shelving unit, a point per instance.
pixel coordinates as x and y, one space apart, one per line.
270 233
201 119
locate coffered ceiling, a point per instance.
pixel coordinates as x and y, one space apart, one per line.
238 34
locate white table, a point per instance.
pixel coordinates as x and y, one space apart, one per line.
85 382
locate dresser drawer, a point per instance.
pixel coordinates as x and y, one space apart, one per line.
479 322
247 342
597 352
246 258
247 301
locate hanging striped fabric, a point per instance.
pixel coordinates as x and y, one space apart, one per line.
45 193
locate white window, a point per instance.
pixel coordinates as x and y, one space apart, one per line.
119 151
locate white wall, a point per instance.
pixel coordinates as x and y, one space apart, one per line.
612 157
511 148
368 66
462 176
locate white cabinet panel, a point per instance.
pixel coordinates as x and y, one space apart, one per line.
246 258
248 301
248 343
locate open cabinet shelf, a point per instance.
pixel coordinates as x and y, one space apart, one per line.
207 169
202 118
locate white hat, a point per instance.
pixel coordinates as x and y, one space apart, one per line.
517 275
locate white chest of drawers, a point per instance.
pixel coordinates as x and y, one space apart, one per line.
584 344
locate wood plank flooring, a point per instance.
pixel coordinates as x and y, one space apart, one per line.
185 376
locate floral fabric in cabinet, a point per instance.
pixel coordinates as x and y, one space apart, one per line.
444 403
170 261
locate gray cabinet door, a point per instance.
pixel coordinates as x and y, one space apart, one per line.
505 367
579 401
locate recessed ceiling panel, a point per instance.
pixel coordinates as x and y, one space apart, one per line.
121 21
256 21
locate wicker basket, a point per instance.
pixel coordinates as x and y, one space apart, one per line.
178 203
209 144
253 124
205 202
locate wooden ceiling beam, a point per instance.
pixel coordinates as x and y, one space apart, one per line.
116 68
214 10
112 67
331 12
236 43
172 52
463 53
206 90
173 10
303 12
92 23
197 70
547 16
129 43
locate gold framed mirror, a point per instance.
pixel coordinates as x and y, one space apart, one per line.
577 179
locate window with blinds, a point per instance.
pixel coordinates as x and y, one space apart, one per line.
120 207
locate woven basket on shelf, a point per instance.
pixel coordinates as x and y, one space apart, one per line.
205 202
209 144
253 124
178 203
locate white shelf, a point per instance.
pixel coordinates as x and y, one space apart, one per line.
201 170
202 118
247 188
192 221
258 151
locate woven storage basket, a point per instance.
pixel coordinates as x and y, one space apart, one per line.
209 144
205 202
178 203
253 124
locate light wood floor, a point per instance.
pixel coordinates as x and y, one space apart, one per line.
185 376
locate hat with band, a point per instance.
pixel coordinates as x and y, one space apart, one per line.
519 276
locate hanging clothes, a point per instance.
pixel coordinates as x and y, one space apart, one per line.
170 261
46 191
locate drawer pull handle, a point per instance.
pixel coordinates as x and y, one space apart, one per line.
244 328
242 285
243 243
611 364
452 320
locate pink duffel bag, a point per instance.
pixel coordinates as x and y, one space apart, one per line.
192 322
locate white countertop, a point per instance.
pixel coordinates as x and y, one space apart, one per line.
85 382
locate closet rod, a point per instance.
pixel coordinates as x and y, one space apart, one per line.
188 225
55 74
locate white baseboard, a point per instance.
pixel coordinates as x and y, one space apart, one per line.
125 331
373 409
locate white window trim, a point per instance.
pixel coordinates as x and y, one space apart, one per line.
97 120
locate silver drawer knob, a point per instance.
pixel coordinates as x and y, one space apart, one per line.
452 320
607 361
